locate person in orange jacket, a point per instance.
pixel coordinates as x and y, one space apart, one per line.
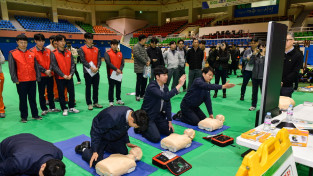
24 73
2 111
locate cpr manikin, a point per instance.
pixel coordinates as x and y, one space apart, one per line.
284 102
118 164
210 124
175 142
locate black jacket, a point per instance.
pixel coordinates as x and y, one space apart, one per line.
155 53
108 126
199 92
152 101
258 68
194 58
25 153
292 63
222 61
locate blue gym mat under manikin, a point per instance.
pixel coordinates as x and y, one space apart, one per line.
69 145
181 152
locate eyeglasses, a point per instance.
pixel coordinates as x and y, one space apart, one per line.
288 40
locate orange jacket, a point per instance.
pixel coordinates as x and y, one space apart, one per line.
43 59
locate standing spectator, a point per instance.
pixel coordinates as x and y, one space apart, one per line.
75 55
297 47
115 62
258 60
44 64
140 60
212 56
235 56
2 111
182 60
202 47
171 58
221 66
194 58
64 68
53 43
24 73
247 67
292 64
155 55
90 57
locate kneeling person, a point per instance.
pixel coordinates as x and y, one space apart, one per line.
198 93
109 132
27 154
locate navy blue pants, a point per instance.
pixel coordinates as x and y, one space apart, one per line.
46 82
247 75
220 74
27 90
191 115
94 81
69 84
256 83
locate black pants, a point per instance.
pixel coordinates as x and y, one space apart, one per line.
113 147
27 90
220 74
191 115
286 91
140 85
69 84
181 71
113 83
77 74
94 81
46 82
297 81
156 127
234 67
247 75
193 74
256 83
173 72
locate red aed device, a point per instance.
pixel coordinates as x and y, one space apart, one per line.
220 140
175 164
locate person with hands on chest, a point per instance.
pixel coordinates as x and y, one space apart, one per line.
157 104
64 67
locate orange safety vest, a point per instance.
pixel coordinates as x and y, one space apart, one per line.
43 58
91 54
115 58
25 65
64 62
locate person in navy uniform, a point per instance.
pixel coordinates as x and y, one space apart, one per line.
109 132
198 93
27 154
157 104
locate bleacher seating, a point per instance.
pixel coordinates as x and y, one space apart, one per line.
201 22
44 24
133 40
6 25
102 29
311 14
254 20
300 36
85 27
214 42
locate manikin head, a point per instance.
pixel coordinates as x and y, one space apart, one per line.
135 153
53 167
21 41
220 117
207 74
190 133
160 73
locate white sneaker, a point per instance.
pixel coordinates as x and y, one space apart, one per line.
65 112
252 108
120 102
74 110
43 113
54 110
111 104
90 107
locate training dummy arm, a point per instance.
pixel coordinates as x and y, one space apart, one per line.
211 124
118 164
175 142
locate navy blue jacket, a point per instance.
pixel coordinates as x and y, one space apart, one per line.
108 126
152 101
199 92
25 153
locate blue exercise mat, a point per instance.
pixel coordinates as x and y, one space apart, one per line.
181 152
69 145
176 122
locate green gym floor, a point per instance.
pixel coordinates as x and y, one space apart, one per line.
206 160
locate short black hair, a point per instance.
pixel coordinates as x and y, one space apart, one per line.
68 43
206 70
141 118
172 42
254 39
114 42
194 39
141 37
39 37
52 37
181 40
21 37
203 42
160 69
54 167
60 37
88 35
154 40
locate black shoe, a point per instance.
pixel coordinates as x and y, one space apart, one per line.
137 98
224 95
37 118
56 100
79 149
177 116
242 97
86 144
215 95
137 131
24 120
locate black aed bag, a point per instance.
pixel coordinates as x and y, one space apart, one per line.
175 164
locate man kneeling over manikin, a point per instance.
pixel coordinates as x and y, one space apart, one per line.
109 133
119 164
175 142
